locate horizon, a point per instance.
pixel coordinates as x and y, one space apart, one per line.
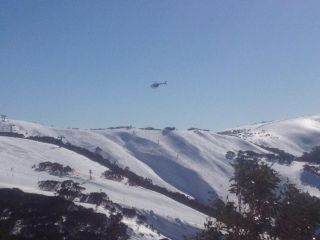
161 128
90 64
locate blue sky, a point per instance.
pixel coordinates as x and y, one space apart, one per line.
90 63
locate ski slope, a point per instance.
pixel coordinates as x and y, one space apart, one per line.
192 162
17 156
294 136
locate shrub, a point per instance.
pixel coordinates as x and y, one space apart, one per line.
54 168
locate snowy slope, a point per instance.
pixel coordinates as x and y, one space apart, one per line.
295 173
189 161
192 162
17 156
294 135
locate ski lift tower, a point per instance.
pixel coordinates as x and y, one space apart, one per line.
11 128
3 117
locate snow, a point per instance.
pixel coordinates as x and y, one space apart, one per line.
295 174
294 136
191 162
17 156
136 231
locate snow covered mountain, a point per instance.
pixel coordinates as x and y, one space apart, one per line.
190 162
18 156
294 136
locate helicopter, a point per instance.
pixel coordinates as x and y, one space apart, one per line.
155 85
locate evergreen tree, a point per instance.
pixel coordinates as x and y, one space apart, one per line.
262 211
297 216
254 185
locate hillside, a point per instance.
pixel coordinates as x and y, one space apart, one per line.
190 162
17 156
294 136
